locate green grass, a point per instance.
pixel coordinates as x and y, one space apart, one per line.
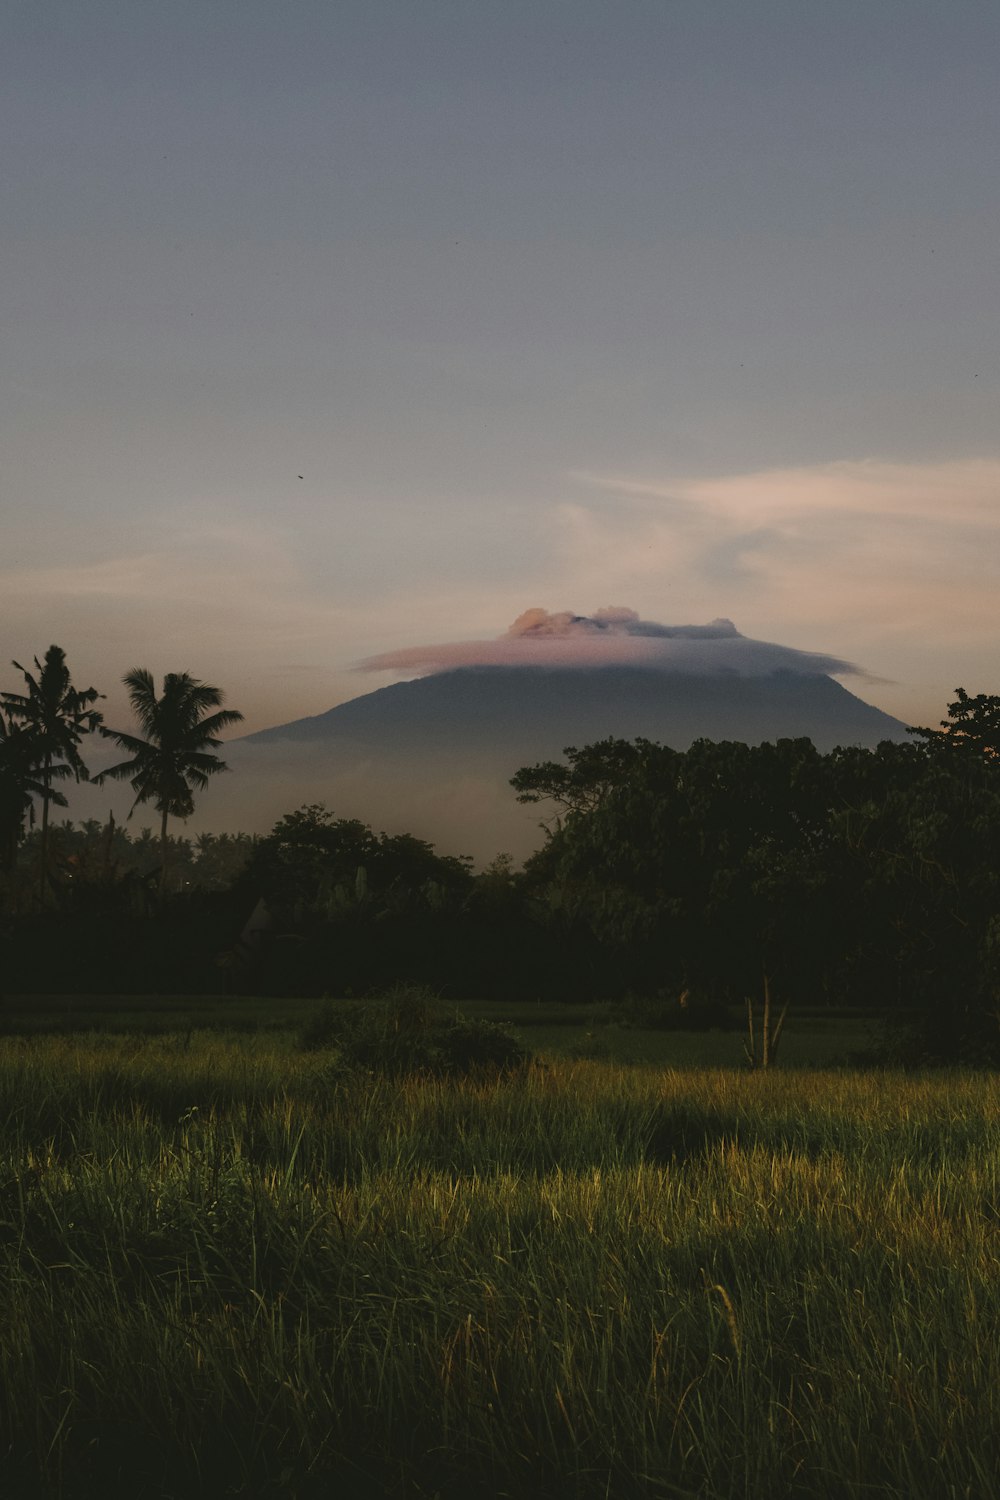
225 1272
148 1015
578 1032
809 1044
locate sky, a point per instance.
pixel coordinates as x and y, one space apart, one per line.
330 329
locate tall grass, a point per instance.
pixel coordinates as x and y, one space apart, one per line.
225 1271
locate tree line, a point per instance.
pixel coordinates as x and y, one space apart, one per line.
861 877
702 879
96 854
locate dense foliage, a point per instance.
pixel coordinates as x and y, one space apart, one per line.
351 911
868 876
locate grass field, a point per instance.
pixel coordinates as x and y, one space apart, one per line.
225 1270
816 1038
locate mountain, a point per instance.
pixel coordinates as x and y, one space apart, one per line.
434 756
519 714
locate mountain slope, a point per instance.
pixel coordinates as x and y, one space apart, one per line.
521 713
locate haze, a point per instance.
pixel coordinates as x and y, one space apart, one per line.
333 330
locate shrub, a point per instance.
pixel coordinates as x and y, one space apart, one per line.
408 1030
470 1046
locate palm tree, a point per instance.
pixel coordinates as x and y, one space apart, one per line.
19 785
175 757
52 716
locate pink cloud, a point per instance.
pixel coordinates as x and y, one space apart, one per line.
613 636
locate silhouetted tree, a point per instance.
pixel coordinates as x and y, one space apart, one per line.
53 716
175 758
591 773
19 785
314 863
972 726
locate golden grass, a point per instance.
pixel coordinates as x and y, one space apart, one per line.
224 1270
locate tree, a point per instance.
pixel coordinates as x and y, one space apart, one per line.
53 716
707 870
176 756
313 865
868 875
219 858
593 772
19 785
974 726
350 909
922 833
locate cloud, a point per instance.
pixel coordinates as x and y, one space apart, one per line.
892 563
112 578
612 620
612 636
962 490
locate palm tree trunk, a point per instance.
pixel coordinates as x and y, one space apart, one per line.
43 868
163 855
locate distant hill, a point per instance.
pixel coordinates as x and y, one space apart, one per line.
509 716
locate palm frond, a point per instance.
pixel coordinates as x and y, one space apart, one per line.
124 741
206 765
124 771
34 690
210 727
